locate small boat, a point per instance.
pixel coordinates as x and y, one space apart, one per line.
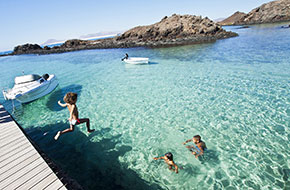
135 60
31 87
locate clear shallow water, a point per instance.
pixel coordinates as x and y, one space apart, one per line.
234 93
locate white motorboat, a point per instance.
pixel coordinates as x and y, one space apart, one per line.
31 87
135 60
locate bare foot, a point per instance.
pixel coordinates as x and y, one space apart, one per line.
91 130
57 135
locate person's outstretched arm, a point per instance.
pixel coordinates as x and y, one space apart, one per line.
187 141
61 104
158 158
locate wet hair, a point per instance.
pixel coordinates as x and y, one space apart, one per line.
197 137
70 98
169 155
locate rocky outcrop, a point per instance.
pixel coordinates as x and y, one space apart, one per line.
74 43
233 18
177 29
170 31
26 48
275 11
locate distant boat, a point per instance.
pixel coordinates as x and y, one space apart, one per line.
31 87
135 60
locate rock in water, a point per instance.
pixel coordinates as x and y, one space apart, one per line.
26 48
177 29
170 31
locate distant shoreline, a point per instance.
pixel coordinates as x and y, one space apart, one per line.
110 42
89 38
170 31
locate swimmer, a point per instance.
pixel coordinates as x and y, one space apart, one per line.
199 146
168 158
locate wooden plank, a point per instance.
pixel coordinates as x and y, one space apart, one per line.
19 173
5 145
7 127
35 179
6 136
13 138
16 168
54 185
5 118
6 121
21 148
7 142
13 146
29 175
8 130
21 166
44 182
62 188
16 159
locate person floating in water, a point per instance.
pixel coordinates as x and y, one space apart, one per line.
199 146
70 100
168 158
126 57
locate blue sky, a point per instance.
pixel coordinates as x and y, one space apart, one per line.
35 21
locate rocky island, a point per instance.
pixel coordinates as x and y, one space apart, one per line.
233 18
274 11
170 31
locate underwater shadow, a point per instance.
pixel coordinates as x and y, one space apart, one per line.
152 63
94 165
210 157
59 93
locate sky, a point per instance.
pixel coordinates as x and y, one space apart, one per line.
36 21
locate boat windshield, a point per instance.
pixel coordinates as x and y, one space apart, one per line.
26 78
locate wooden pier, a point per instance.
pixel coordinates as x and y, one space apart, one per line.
21 165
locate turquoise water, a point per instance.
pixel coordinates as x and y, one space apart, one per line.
234 93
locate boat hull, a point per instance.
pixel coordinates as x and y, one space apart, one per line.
137 60
43 89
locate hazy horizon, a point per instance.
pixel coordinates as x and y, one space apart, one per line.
35 22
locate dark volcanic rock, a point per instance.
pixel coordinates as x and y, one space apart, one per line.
46 48
233 18
26 48
74 43
275 11
170 31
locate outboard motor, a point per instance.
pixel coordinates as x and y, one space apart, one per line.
45 76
